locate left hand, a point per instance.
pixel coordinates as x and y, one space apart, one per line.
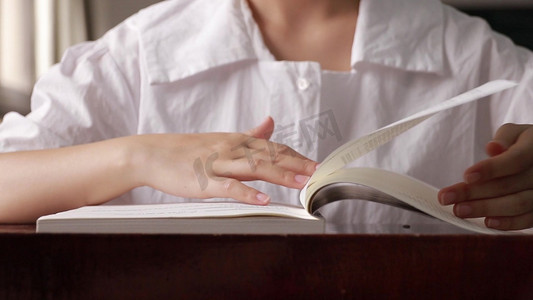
499 188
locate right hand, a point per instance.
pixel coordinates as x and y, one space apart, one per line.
210 165
499 188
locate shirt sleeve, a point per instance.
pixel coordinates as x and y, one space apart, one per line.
502 59
477 54
516 106
87 97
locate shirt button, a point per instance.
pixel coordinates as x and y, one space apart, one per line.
302 83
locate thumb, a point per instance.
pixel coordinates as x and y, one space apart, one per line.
505 137
264 130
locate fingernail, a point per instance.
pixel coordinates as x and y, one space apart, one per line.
463 210
317 166
472 177
448 198
301 178
262 198
493 223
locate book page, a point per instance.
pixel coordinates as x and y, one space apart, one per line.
357 148
182 210
407 189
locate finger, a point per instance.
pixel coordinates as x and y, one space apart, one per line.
495 148
233 188
263 131
453 194
516 159
510 223
493 188
506 136
298 164
260 170
275 153
506 206
280 150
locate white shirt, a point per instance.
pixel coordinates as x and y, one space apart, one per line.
202 66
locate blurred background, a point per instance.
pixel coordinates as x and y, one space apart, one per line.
35 33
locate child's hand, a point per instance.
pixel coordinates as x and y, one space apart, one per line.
212 165
499 188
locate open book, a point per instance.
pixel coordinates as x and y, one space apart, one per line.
330 182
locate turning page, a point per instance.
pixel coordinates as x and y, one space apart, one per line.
409 190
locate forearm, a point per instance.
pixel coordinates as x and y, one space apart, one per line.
35 183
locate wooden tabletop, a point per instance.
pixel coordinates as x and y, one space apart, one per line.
332 266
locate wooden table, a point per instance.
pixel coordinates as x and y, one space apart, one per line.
332 266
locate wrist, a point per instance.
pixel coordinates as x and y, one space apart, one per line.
131 161
113 173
